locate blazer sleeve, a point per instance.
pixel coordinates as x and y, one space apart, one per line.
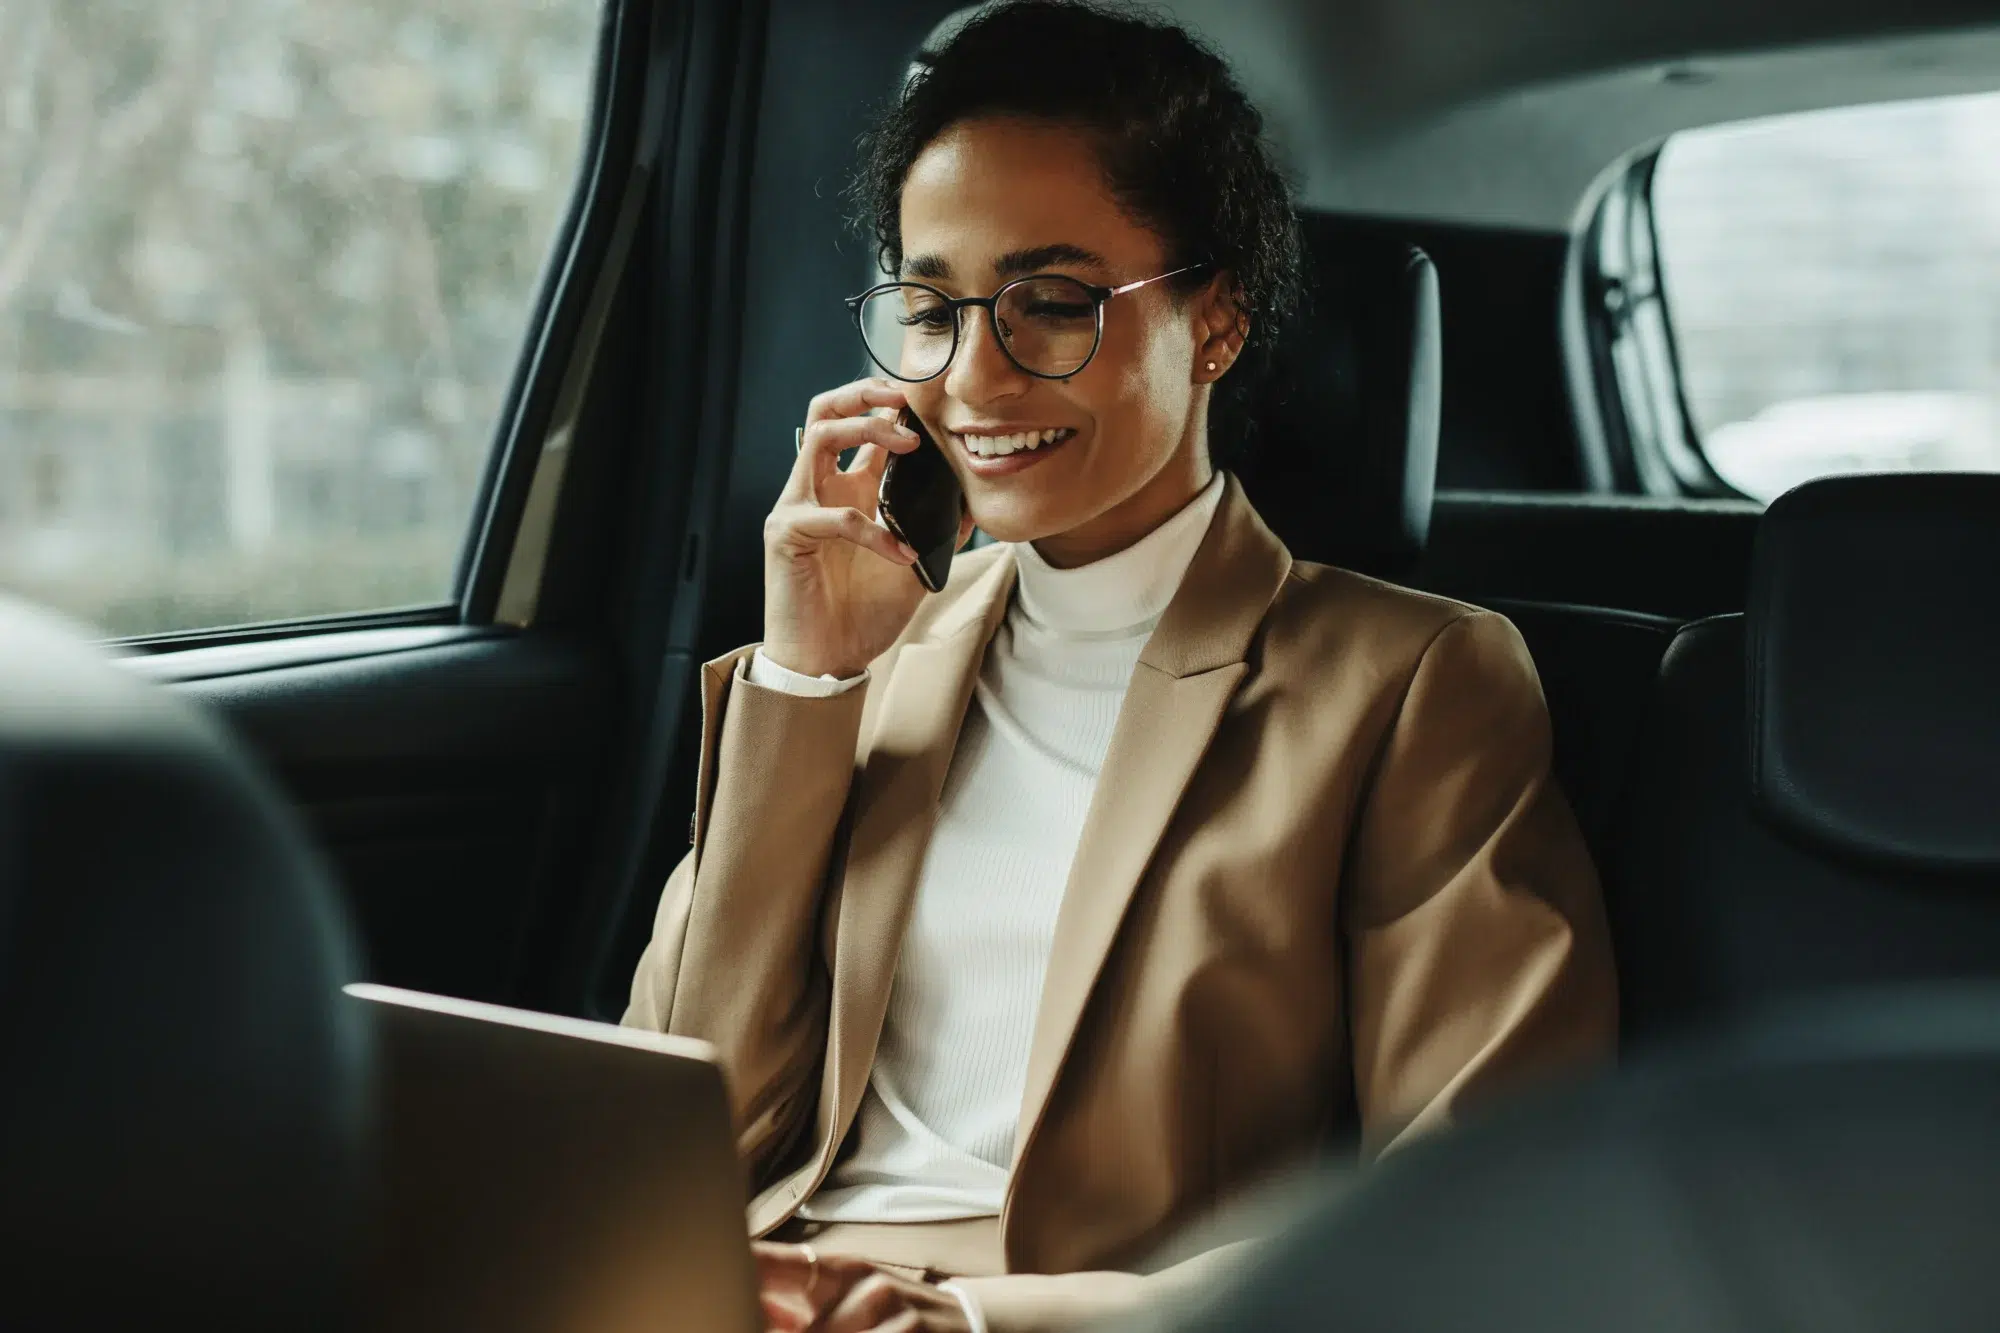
734 957
1478 951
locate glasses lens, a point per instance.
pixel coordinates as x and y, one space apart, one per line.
909 331
1049 324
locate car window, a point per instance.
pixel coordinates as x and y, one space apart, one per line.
265 269
1833 283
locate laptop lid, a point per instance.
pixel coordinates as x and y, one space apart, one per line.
542 1174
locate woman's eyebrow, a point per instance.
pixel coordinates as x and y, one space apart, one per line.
1013 264
1020 263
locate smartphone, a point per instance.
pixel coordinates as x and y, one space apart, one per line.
921 503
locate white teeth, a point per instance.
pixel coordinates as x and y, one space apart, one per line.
999 446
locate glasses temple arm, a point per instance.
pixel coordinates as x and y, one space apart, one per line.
1157 277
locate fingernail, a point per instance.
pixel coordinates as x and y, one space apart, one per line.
908 553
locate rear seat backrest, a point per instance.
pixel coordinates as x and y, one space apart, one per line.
1843 828
1343 462
1343 466
1597 667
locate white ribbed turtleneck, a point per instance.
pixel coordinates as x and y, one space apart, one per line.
936 1128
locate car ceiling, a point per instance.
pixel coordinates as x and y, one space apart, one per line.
1505 112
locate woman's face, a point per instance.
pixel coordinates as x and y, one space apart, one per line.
1000 198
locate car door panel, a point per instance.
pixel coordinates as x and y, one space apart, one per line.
447 773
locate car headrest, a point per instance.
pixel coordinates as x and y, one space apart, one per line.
1874 657
182 1086
1343 459
1834 1158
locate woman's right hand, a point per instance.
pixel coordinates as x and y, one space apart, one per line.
838 587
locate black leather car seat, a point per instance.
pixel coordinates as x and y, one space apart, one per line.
1342 458
1816 799
182 1096
1597 666
1342 463
1830 1169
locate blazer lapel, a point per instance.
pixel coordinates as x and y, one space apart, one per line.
1185 678
897 791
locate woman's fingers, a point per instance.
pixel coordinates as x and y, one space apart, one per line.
797 1288
784 1312
851 400
869 458
780 1265
823 442
870 1304
865 469
798 529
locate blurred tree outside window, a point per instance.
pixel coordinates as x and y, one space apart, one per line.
265 270
1834 284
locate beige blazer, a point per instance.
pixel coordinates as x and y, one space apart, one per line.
1325 871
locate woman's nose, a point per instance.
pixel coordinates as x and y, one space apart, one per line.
981 371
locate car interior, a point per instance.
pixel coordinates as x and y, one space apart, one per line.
1776 721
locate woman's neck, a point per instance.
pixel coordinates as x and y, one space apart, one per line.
1122 596
1165 494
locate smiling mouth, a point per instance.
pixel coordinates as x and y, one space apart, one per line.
1001 446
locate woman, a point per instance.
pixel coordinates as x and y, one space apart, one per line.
1033 917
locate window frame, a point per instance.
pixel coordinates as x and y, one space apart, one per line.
576 256
1635 361
630 108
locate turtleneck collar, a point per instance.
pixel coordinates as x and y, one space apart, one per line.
1122 593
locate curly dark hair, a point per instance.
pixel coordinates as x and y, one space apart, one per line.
1183 148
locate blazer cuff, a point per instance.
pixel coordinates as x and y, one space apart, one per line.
769 675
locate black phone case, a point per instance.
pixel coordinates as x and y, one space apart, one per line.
921 503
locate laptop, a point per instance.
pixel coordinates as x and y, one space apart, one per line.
550 1175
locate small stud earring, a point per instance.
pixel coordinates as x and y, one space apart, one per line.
1211 366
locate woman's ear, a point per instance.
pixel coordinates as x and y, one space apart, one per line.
1221 326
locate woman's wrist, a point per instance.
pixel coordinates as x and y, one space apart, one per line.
975 1318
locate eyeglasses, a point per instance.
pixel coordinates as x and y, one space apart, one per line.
1048 324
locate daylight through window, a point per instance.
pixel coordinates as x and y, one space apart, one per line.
1834 281
265 269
